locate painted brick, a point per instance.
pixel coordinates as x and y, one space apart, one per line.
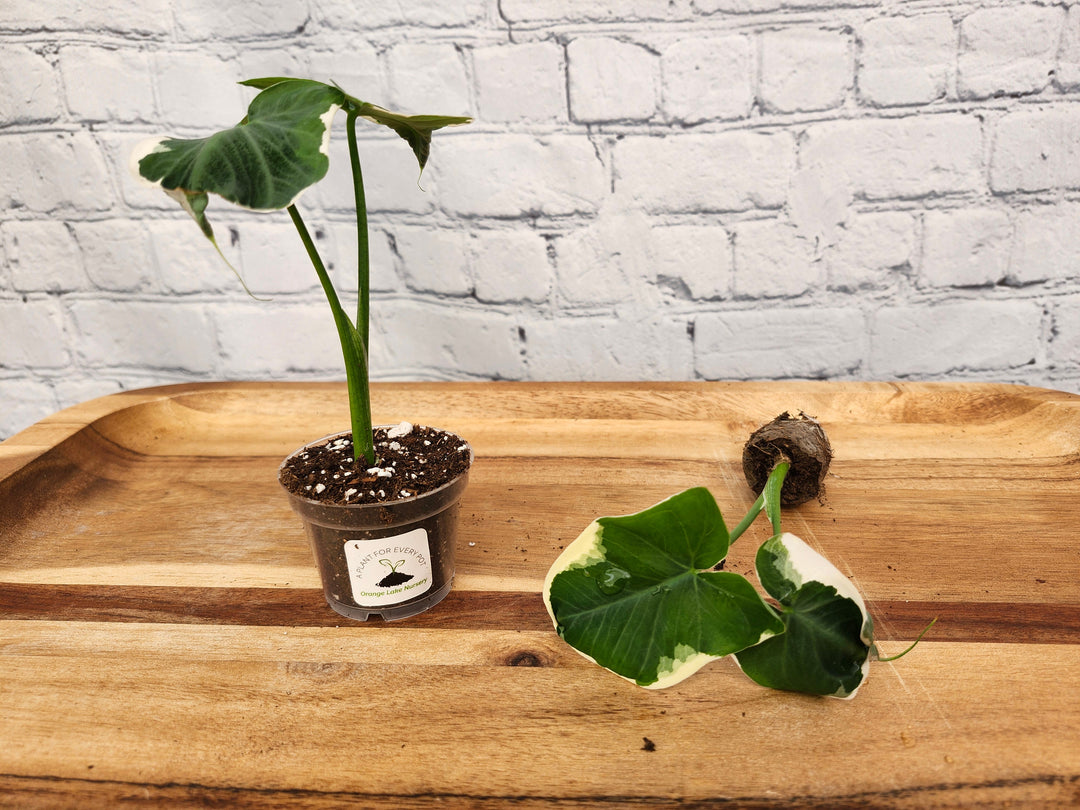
757 150
32 334
1012 49
25 402
772 259
604 262
30 176
682 173
272 257
186 262
428 79
362 75
420 339
698 257
121 16
523 82
804 69
255 63
1047 244
772 343
208 19
392 180
707 78
738 6
144 334
870 249
200 90
611 80
511 266
965 247
638 347
1037 149
28 88
518 175
1067 75
529 11
1065 342
71 390
906 157
819 203
364 15
116 254
906 60
937 338
341 259
277 340
43 256
93 74
433 261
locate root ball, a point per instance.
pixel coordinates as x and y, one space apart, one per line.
799 440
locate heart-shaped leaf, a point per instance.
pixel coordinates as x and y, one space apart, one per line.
636 593
825 648
265 161
277 151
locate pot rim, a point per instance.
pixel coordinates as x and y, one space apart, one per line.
377 504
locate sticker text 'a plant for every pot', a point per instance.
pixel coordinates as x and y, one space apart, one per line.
264 163
380 498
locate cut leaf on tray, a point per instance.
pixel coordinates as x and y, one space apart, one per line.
636 593
825 649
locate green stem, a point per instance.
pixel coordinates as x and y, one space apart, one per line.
909 649
771 493
768 500
363 266
353 348
744 524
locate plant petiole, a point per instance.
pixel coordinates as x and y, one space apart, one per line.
768 500
909 649
354 350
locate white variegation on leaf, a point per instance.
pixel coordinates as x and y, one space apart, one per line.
826 646
641 596
638 595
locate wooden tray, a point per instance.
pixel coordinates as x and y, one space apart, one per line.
163 638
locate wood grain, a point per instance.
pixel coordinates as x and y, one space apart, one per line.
163 643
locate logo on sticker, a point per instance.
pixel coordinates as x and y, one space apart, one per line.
390 569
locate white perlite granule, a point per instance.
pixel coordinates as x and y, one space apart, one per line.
396 432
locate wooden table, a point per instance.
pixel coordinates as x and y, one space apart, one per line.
164 641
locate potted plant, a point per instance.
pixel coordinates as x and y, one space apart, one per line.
378 503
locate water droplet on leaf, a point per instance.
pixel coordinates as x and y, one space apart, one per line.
612 580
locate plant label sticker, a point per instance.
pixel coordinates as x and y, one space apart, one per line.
389 570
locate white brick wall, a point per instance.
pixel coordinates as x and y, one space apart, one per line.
652 189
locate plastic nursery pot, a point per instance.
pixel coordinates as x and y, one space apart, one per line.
391 559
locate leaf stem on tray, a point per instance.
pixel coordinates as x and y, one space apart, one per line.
769 499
